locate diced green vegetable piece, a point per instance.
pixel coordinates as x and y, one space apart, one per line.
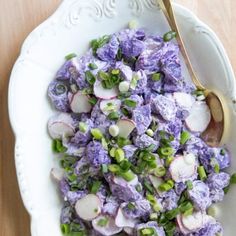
97 134
92 66
184 137
104 168
169 36
119 155
156 76
202 173
103 222
70 56
92 100
114 116
128 176
65 228
57 146
95 187
90 77
130 103
83 127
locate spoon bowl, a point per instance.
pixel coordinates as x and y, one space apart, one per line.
217 130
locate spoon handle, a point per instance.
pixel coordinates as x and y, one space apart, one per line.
167 9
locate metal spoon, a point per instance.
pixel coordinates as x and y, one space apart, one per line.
216 132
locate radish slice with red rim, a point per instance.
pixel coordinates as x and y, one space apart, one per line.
88 207
199 117
57 174
79 103
61 125
103 93
110 105
105 225
183 168
126 126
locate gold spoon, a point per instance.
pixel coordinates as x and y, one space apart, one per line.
216 132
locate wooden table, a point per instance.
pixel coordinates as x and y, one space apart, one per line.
17 19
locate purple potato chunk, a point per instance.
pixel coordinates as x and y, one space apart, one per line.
145 141
58 93
142 117
96 154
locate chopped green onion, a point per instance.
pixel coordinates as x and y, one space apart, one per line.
150 132
121 142
189 184
148 187
184 137
160 171
125 111
156 76
112 152
113 115
169 36
151 199
131 206
198 92
147 232
104 168
134 82
97 134
169 160
57 146
188 212
153 216
119 155
170 228
114 168
115 71
92 66
125 165
95 187
83 127
128 176
104 144
92 100
165 151
222 152
170 215
166 186
103 75
202 173
90 77
97 43
138 188
149 158
233 179
119 55
185 206
103 222
65 228
217 168
70 56
130 103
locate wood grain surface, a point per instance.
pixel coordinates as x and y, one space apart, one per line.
17 19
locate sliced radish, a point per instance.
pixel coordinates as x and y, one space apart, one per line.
108 227
128 230
156 182
79 103
88 207
122 221
184 99
193 222
61 125
110 105
181 226
57 174
103 93
123 182
183 168
199 117
126 126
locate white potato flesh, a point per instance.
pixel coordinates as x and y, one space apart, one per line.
88 207
199 117
126 126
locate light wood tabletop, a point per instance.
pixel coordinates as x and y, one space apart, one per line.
17 19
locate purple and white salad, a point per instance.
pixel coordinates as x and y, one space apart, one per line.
127 133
